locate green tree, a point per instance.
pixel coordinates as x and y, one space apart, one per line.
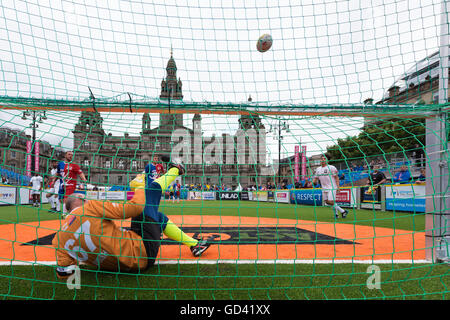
380 139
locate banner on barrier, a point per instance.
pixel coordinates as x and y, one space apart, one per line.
227 195
307 196
244 195
92 195
28 165
304 161
130 195
370 198
282 196
208 195
406 198
36 155
195 195
44 198
260 196
346 197
111 195
7 195
24 196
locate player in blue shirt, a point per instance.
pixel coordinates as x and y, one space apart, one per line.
60 173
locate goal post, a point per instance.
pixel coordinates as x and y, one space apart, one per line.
438 205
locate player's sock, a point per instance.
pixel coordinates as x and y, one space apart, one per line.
165 180
52 204
57 204
173 232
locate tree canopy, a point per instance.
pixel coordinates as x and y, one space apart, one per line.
380 139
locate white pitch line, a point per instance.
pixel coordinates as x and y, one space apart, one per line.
211 262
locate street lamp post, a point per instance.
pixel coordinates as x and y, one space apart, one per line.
279 128
36 117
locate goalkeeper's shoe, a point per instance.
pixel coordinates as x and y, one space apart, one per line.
65 272
201 246
176 163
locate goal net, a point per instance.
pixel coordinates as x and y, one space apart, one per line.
315 170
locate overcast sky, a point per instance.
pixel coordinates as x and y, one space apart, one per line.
324 52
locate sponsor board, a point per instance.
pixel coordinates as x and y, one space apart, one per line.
370 194
208 195
7 195
24 196
195 195
242 236
227 195
44 198
282 196
92 195
408 197
260 196
244 195
346 197
111 195
307 196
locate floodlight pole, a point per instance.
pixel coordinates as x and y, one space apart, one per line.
437 219
279 128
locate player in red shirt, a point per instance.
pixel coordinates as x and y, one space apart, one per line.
159 166
70 175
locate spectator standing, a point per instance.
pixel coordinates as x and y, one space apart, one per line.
402 176
375 179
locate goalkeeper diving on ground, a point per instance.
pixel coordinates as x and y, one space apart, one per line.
89 234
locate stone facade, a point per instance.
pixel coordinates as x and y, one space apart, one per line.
218 160
13 152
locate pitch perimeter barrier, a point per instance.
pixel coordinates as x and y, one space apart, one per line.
400 197
18 195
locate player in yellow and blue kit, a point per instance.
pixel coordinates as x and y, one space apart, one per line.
109 247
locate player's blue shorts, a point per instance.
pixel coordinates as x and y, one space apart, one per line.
61 191
152 199
151 223
150 173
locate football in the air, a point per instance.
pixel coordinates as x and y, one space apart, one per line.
264 43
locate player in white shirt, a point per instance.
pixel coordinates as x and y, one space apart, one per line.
36 183
53 187
329 180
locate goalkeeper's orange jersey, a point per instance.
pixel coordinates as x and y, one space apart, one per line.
90 235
